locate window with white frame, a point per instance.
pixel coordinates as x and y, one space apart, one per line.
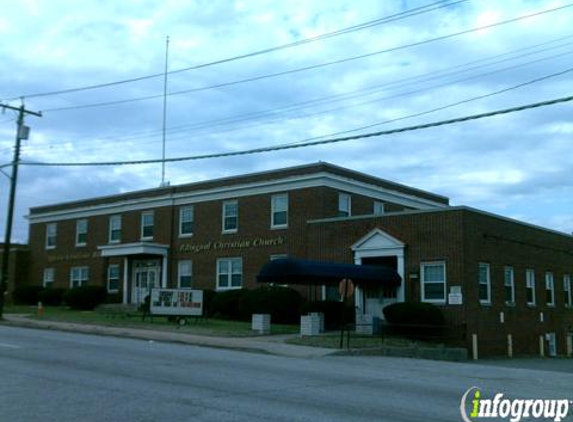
344 205
113 278
185 274
567 290
51 229
147 225
49 276
229 273
509 285
549 289
378 208
230 216
79 276
186 221
484 280
530 286
279 211
115 229
81 232
433 276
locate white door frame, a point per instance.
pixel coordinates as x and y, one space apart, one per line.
376 244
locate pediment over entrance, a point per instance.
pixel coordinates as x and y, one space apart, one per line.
377 239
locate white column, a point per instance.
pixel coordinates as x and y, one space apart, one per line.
164 272
125 278
401 296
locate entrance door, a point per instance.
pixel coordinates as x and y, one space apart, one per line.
552 344
376 298
145 278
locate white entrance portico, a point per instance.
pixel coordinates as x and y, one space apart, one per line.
145 262
379 248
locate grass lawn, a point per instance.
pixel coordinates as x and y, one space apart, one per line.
332 340
210 327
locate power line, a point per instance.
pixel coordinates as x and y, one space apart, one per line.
312 143
305 68
365 25
510 88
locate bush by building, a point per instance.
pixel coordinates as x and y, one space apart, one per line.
85 297
51 296
414 319
26 295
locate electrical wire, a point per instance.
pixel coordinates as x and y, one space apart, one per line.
365 25
312 143
305 68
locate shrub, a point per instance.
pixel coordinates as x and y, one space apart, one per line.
414 319
113 298
51 296
282 303
332 311
85 297
26 295
227 304
208 298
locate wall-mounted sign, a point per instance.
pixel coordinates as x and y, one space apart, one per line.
455 297
258 242
74 256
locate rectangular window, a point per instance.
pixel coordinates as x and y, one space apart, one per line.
115 229
229 273
530 286
433 281
567 290
185 274
113 278
79 276
49 275
484 283
230 216
186 221
344 205
378 208
51 229
509 284
147 225
549 289
81 232
279 211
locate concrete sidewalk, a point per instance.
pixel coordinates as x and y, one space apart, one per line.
274 345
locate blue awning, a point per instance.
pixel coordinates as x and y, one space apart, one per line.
299 271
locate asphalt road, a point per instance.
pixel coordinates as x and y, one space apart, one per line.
50 376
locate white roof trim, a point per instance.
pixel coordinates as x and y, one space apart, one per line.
394 243
236 191
134 249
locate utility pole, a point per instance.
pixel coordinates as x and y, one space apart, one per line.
21 133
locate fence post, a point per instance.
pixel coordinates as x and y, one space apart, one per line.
509 346
475 346
541 346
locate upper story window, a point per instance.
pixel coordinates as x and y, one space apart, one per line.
378 208
229 273
509 285
549 289
484 283
567 290
185 274
113 278
433 275
279 211
115 229
530 286
230 216
186 221
51 229
344 205
79 276
147 225
49 276
81 232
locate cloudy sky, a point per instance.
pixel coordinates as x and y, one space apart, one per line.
381 65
